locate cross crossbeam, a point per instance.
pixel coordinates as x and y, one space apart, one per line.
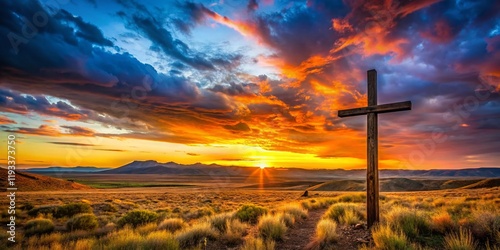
384 108
372 111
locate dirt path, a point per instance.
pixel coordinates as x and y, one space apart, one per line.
302 232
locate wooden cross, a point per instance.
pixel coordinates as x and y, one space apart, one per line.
372 185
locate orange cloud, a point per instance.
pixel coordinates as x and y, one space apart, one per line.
6 120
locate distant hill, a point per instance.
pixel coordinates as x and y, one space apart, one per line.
172 168
65 170
34 182
404 184
487 183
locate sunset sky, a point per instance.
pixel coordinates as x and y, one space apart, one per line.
249 83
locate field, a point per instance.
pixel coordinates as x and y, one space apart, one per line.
202 215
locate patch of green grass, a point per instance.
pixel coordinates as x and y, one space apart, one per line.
250 213
138 217
72 209
82 222
411 222
38 227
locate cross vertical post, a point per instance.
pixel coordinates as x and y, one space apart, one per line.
372 111
372 184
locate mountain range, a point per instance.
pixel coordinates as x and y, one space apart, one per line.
172 168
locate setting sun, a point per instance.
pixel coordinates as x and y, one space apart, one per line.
262 165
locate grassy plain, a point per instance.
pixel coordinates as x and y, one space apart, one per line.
210 214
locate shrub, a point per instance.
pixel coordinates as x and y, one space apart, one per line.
49 209
295 210
349 218
306 204
337 212
195 235
138 217
326 231
72 209
27 206
235 230
258 244
250 213
385 238
38 227
160 240
172 224
288 219
411 223
108 207
146 229
81 244
82 222
352 198
124 239
272 227
484 225
442 222
198 213
321 203
461 241
219 221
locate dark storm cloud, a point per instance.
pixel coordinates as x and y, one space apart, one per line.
84 29
112 88
163 40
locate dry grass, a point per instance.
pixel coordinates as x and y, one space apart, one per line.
345 213
386 238
172 224
326 231
460 241
258 244
197 234
419 220
442 222
295 210
271 227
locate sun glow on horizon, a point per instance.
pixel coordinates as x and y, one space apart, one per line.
262 165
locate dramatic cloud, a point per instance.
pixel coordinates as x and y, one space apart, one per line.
257 73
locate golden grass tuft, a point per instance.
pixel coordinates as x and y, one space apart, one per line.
410 222
272 227
295 210
442 222
172 224
386 238
196 234
326 231
258 244
345 213
462 240
235 230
